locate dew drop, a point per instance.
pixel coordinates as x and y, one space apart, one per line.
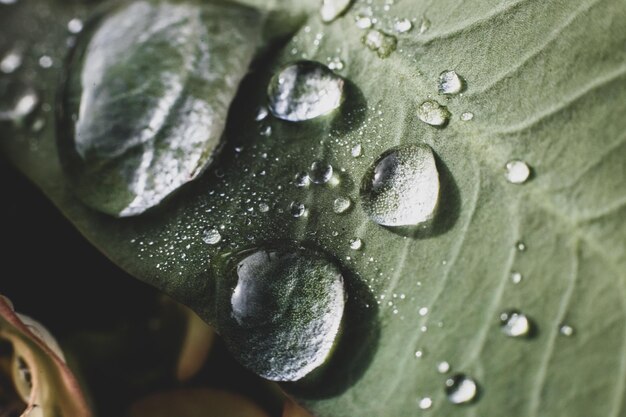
566 330
419 354
341 205
301 179
402 25
356 244
380 42
423 311
320 172
443 367
516 277
261 113
286 312
363 22
297 209
24 105
75 26
11 62
520 246
357 150
517 172
425 403
401 188
514 324
336 64
450 83
460 389
433 113
467 116
45 61
332 9
211 236
304 90
264 207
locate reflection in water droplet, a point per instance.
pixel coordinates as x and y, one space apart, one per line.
75 26
332 9
566 330
402 25
341 205
320 172
211 236
380 42
356 244
467 116
433 113
402 187
514 324
443 367
450 83
301 179
425 403
297 209
516 277
461 389
286 312
517 172
304 90
11 62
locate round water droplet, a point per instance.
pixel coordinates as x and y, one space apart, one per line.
75 26
286 312
566 330
304 90
341 205
433 113
516 277
402 25
380 42
450 83
301 179
514 324
461 389
11 62
423 311
520 246
467 116
425 403
320 172
517 172
356 244
297 209
443 367
419 354
332 9
211 236
45 61
402 187
357 150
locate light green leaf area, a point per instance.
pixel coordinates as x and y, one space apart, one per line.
546 83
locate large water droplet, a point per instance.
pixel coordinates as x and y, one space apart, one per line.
332 9
461 389
517 172
211 236
341 205
320 172
402 187
286 311
450 83
433 113
514 324
146 96
304 90
297 209
380 42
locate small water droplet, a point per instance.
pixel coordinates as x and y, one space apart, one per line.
304 90
380 42
419 354
401 188
320 172
402 25
261 113
517 172
363 22
566 330
443 367
356 244
433 113
336 64
297 209
264 207
301 179
425 403
45 61
514 324
520 246
357 150
341 205
450 83
423 311
75 26
211 236
516 277
461 389
24 105
11 62
286 312
332 9
467 116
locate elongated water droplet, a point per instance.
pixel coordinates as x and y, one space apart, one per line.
332 9
11 62
146 96
517 172
211 236
514 324
341 205
7 2
433 113
261 114
450 83
304 90
320 172
461 389
402 187
380 42
286 311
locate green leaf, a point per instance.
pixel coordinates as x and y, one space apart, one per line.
546 83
